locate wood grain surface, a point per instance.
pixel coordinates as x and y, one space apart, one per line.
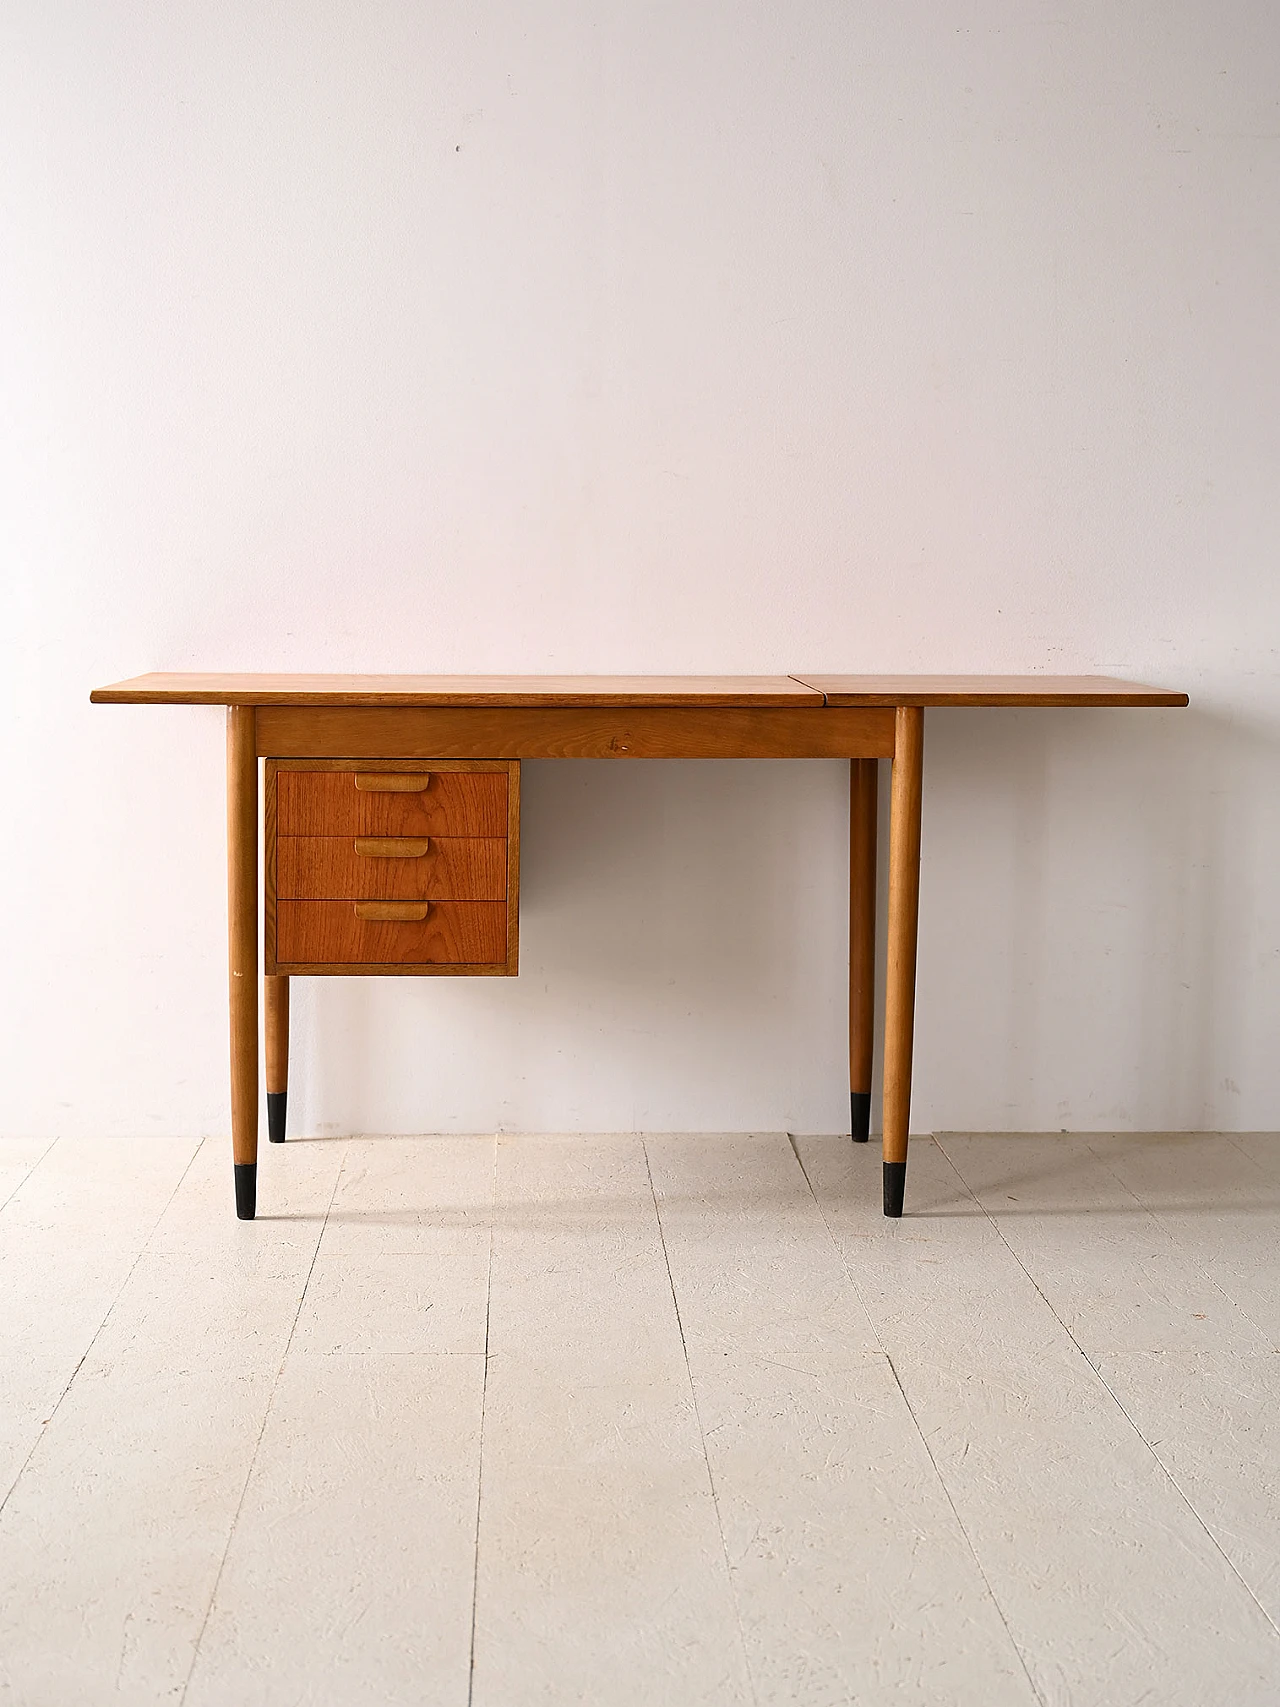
242 929
275 1031
513 869
328 932
862 922
988 690
188 688
904 909
328 803
194 688
453 868
654 732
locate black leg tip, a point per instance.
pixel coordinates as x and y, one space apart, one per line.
246 1190
860 1115
275 1115
895 1185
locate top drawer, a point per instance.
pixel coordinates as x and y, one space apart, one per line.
389 803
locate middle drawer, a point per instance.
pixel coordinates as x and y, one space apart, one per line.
391 868
435 803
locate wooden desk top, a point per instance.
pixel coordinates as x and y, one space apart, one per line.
988 690
544 691
185 688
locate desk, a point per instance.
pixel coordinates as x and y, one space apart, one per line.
392 827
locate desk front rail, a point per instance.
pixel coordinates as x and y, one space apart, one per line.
605 732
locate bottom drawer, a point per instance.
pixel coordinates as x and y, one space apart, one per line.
452 933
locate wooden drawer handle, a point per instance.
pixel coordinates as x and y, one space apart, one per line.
405 911
384 782
391 847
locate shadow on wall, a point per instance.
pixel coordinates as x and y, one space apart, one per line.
682 933
1097 899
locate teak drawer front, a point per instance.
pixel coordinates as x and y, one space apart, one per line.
357 803
456 933
450 868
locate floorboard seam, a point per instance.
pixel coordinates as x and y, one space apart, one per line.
851 1280
968 1539
946 1491
1233 1138
40 1158
702 1435
1205 1273
1203 1269
106 1316
1113 1396
257 1445
484 1394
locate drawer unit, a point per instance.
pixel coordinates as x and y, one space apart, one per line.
392 866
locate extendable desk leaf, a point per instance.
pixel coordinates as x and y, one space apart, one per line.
392 827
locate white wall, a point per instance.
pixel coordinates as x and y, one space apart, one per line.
653 337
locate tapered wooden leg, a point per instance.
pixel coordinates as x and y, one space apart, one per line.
276 1004
862 942
900 979
242 927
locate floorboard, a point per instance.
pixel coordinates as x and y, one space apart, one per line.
111 1542
349 1578
18 1156
1110 1268
75 1222
625 1420
1111 1586
601 1571
403 1265
853 1579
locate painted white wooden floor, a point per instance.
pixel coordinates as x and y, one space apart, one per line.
664 1420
